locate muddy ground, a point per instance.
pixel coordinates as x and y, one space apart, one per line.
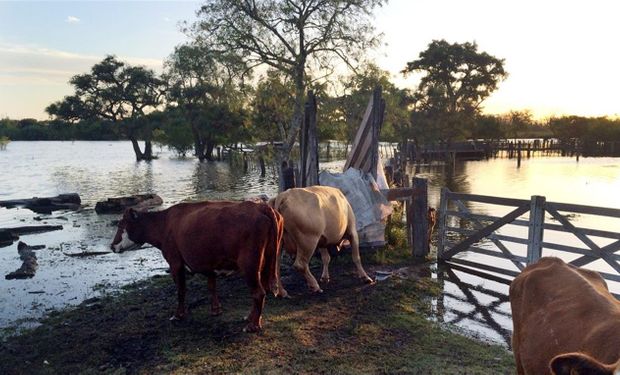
350 328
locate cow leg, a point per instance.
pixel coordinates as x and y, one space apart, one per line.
258 302
178 275
301 264
325 258
216 307
357 260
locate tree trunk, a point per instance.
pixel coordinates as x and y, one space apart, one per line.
136 149
209 150
297 110
148 150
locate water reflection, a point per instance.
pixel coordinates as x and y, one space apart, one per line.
476 302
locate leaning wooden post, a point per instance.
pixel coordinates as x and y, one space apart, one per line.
408 213
535 229
443 208
420 217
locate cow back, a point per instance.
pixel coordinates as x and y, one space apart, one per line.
319 211
558 308
215 235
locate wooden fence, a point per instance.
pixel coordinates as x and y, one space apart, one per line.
479 226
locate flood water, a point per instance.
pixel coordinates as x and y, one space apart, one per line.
99 170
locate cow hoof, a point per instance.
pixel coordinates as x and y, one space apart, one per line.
325 280
175 318
317 291
369 281
251 328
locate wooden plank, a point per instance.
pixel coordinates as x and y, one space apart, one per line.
360 136
421 242
594 247
486 231
467 263
488 199
546 225
497 254
396 194
443 207
609 250
535 229
309 144
591 210
492 237
609 276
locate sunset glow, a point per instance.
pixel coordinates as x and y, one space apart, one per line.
560 55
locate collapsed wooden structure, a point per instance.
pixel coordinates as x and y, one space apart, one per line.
364 156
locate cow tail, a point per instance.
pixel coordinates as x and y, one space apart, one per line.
271 269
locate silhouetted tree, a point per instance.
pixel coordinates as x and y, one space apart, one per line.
456 80
118 92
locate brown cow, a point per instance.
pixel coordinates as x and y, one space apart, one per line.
316 216
565 321
212 238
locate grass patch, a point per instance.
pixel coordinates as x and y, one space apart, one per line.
351 328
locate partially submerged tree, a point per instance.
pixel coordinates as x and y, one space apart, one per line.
118 92
291 36
207 87
456 80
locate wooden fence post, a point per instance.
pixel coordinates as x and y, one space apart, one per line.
420 217
443 207
309 145
535 229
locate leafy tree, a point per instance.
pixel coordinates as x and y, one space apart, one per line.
291 36
117 92
517 122
207 87
456 80
488 127
358 90
272 106
173 131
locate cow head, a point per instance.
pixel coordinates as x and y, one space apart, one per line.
129 234
579 363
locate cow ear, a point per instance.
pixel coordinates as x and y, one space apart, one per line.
578 364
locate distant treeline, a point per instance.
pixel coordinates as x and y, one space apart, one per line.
56 130
585 130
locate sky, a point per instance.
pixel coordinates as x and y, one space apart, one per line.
562 56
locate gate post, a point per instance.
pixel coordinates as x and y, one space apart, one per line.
420 218
535 228
443 207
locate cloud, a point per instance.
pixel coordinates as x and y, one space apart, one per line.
32 77
72 19
167 19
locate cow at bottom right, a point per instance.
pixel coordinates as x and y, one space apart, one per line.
565 321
